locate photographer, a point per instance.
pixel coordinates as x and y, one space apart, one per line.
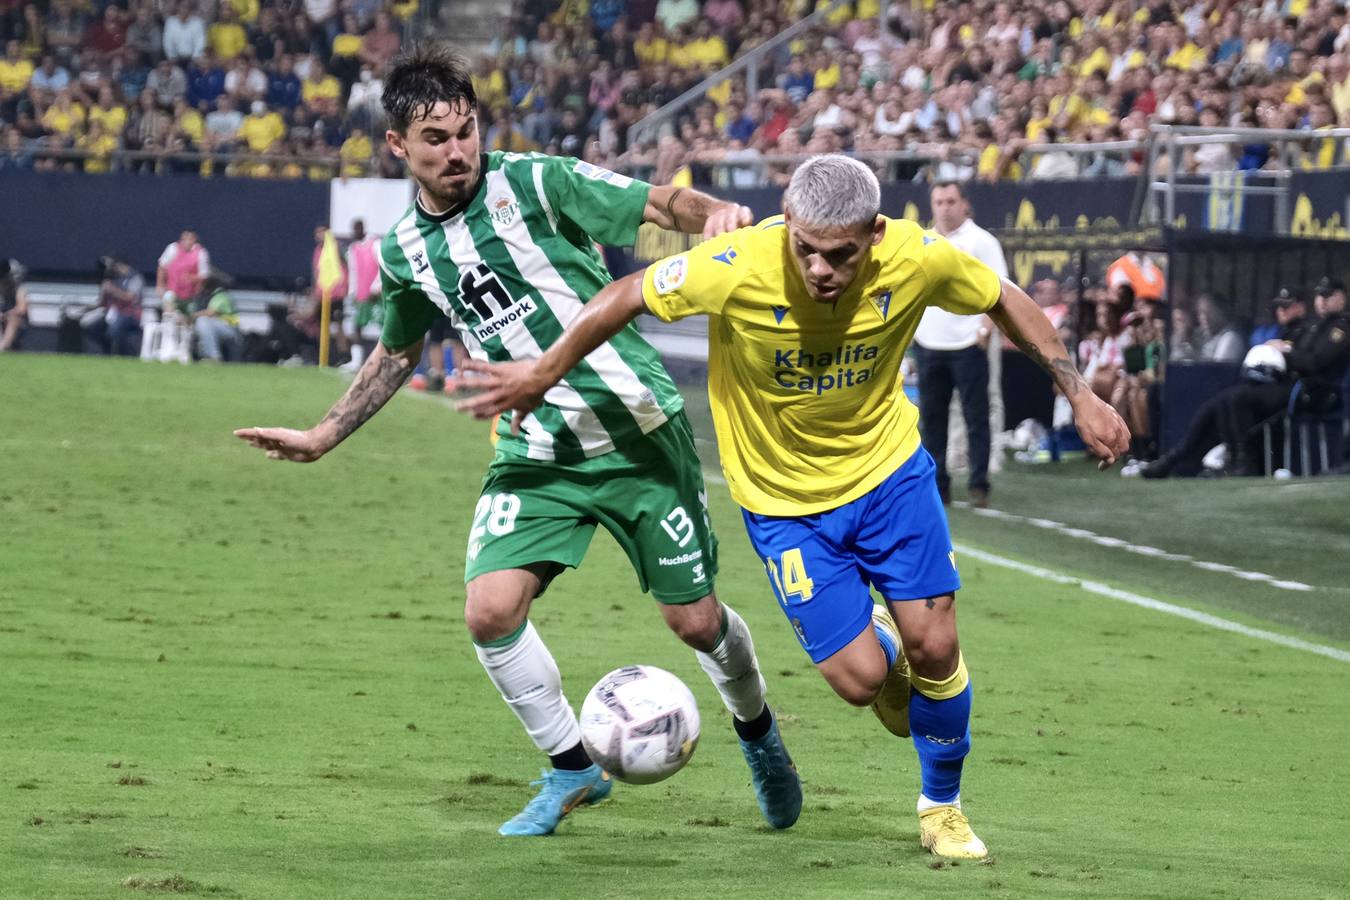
115 323
216 321
13 303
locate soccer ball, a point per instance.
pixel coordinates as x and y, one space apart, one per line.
640 724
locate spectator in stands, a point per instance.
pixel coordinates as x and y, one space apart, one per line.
344 61
226 37
1218 340
221 127
144 34
15 155
1053 164
13 304
1137 385
206 80
284 89
64 118
15 73
958 352
363 103
675 14
324 15
46 81
65 29
381 43
115 323
98 146
245 81
167 82
107 35
319 90
1050 298
149 124
355 154
184 34
1101 355
797 82
215 321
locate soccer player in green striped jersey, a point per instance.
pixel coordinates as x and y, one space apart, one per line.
504 244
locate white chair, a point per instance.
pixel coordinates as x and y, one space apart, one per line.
166 341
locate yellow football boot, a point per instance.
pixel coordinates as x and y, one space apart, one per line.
892 704
945 831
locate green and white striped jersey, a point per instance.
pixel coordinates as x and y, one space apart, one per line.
512 269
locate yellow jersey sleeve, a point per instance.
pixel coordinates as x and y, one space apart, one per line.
696 281
957 281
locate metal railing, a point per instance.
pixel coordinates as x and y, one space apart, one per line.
645 127
918 163
133 160
1288 148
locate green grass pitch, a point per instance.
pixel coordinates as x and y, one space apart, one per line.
225 676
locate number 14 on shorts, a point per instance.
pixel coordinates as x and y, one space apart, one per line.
788 574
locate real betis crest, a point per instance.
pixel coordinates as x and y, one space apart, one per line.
504 210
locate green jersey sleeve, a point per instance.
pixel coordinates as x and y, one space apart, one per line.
605 205
408 311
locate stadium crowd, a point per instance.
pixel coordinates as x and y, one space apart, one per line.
296 81
967 84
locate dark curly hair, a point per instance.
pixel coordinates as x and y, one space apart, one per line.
429 73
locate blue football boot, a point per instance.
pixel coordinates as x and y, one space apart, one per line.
560 792
777 786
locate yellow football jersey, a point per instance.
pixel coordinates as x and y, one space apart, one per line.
806 396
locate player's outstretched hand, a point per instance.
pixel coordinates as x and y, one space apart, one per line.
1103 431
727 217
497 388
284 443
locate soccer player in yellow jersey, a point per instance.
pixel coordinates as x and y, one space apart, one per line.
809 316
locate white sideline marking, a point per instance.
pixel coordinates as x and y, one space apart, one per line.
1156 605
1106 590
1143 550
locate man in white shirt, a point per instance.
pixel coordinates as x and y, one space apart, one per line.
961 354
184 33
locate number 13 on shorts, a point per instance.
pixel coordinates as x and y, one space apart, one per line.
788 574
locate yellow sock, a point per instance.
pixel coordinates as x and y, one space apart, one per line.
945 689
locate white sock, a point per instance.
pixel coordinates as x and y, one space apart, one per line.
926 804
529 681
734 670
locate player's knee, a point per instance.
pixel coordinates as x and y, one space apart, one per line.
697 624
933 654
488 621
856 692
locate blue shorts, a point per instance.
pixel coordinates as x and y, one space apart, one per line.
822 566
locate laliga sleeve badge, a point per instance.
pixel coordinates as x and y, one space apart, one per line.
670 274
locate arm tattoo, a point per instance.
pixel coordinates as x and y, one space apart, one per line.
1061 369
698 206
670 206
368 393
